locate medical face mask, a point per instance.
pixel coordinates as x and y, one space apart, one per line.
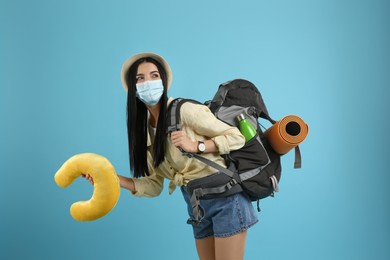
150 92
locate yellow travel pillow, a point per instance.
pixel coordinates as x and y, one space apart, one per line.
106 185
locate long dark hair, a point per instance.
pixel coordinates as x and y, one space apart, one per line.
137 123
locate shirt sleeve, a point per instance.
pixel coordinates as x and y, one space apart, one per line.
149 186
203 122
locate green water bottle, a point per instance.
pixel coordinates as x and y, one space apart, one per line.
246 128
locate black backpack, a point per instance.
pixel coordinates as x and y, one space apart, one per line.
256 167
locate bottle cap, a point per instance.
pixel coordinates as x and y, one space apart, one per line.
240 117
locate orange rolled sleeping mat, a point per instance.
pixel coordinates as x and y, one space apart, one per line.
287 133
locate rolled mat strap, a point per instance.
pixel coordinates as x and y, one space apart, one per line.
298 159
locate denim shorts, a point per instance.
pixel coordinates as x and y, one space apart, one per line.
224 217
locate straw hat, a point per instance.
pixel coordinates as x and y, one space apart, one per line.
130 61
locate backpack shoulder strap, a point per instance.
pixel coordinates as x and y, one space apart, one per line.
173 119
173 113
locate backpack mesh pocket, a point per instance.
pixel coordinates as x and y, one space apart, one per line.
252 155
260 185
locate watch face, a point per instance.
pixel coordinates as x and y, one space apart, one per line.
201 147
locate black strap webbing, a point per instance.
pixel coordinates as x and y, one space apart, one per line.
298 159
210 163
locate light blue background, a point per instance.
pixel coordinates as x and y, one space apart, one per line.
60 94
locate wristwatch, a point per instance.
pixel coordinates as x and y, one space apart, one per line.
201 147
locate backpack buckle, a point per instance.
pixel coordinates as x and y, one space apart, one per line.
172 128
275 184
231 183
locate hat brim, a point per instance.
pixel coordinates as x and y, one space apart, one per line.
130 61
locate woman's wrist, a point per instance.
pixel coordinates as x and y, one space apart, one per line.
195 149
127 183
209 147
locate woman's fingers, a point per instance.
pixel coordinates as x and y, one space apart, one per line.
180 139
87 177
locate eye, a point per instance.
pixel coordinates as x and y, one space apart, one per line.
155 76
139 79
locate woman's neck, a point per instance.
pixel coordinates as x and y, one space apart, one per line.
154 112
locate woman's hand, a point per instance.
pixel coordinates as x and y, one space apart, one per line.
87 177
180 139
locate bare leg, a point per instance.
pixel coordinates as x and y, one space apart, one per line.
230 248
206 249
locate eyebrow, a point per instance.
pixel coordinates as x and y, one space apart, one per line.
141 74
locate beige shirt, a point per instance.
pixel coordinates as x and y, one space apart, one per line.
199 124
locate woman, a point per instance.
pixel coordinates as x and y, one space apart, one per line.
154 155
